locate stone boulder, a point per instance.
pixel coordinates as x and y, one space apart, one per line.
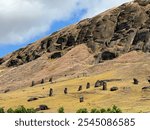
108 55
13 63
56 55
146 88
32 99
114 89
42 107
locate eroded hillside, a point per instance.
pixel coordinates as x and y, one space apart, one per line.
91 41
119 73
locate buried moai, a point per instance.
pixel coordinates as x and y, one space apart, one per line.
50 92
81 99
148 80
42 81
6 91
99 83
88 85
80 88
65 91
51 80
104 86
135 81
33 83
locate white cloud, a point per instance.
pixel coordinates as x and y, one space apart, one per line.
97 6
25 19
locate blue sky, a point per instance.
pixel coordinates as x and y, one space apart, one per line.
25 21
57 25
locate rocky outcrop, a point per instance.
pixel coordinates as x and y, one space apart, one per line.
56 55
108 35
1 60
143 2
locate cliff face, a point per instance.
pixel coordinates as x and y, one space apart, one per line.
109 34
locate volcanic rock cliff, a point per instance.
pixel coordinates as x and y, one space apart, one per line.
104 37
108 34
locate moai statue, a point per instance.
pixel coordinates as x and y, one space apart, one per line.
97 84
65 91
80 88
104 86
51 80
88 85
42 81
135 81
33 83
81 99
50 92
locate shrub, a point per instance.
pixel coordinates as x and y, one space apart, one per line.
2 110
10 110
108 110
103 110
22 109
94 110
31 110
61 110
115 109
82 110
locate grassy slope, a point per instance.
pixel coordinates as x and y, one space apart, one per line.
128 100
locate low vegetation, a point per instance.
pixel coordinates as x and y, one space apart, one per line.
61 110
114 109
82 110
1 110
22 109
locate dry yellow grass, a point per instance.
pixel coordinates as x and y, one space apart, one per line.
126 67
76 60
130 100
